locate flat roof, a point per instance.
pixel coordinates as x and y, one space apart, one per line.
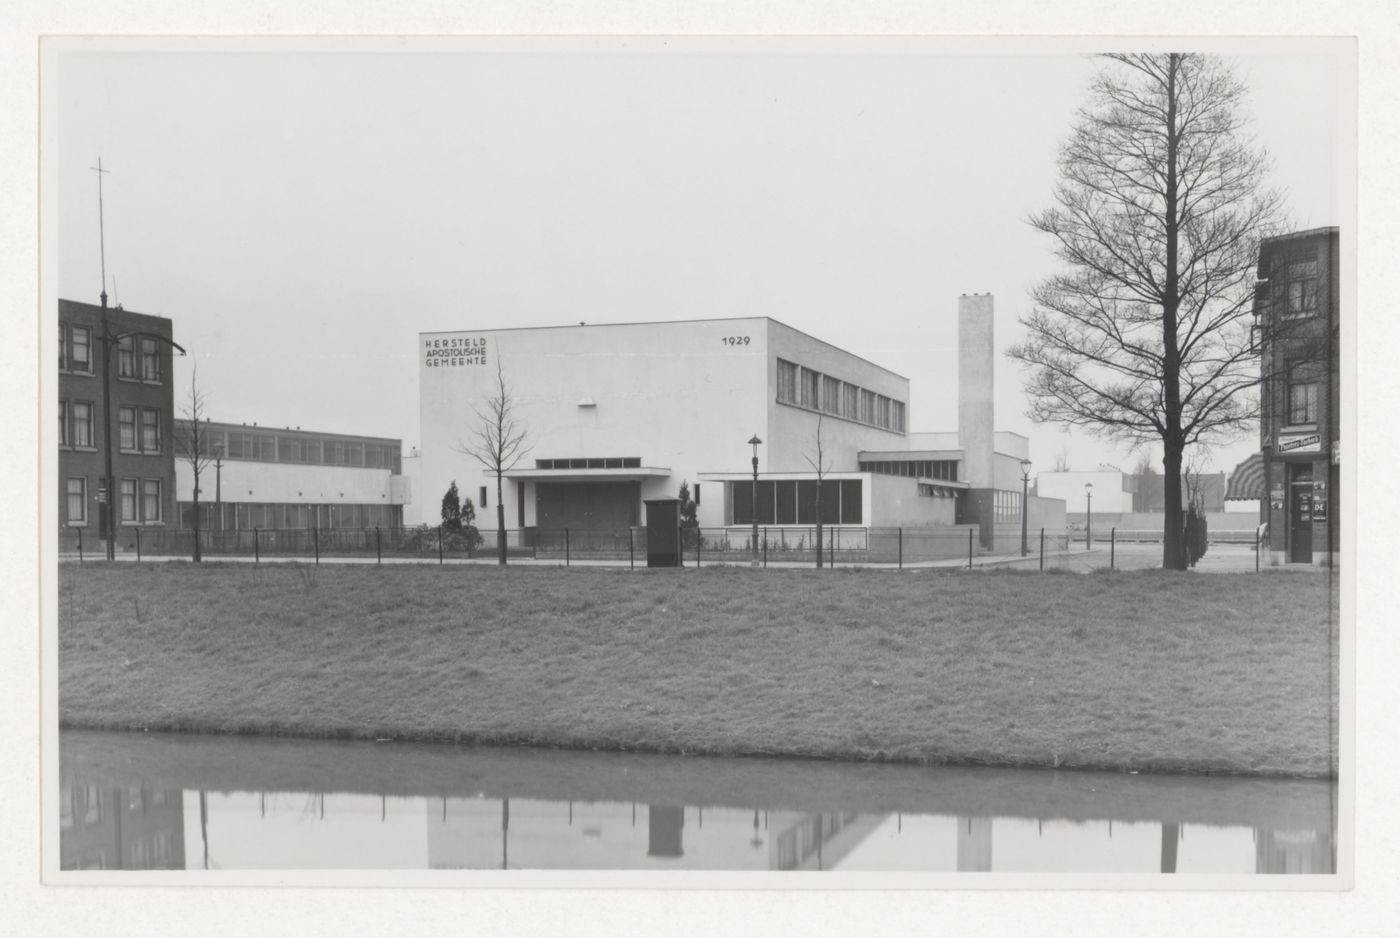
296 431
674 322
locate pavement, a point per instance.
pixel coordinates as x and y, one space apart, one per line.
1219 558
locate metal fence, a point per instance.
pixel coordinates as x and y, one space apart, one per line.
788 545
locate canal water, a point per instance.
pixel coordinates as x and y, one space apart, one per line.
137 801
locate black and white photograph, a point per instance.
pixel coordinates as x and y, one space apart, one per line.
679 462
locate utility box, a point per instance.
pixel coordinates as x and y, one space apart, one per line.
663 532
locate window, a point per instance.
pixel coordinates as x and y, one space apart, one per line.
311 451
126 357
354 454
62 423
1301 299
81 358
126 429
867 406
850 401
787 382
1302 403
897 415
82 423
831 395
62 347
851 510
288 450
811 382
334 453
128 500
150 501
481 497
882 411
150 360
150 430
77 501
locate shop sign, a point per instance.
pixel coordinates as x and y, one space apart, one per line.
1276 493
455 352
1305 443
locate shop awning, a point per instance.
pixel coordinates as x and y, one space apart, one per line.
1247 481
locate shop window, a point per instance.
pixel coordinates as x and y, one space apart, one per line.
76 493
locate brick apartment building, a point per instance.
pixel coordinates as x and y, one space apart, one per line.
141 421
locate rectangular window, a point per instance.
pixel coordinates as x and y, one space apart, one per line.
867 406
785 492
81 357
62 347
811 388
82 423
787 382
481 497
897 415
62 423
851 501
882 411
311 451
354 454
288 450
334 453
77 501
742 497
1302 290
150 501
267 448
1302 403
697 493
128 500
850 401
831 395
126 357
150 430
150 360
126 429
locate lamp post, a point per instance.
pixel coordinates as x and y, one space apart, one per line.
110 341
753 506
1025 502
1088 515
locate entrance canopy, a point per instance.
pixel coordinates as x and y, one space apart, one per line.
1247 481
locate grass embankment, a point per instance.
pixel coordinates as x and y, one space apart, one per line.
1155 671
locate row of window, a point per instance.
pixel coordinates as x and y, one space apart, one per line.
1006 506
138 501
794 501
803 387
273 447
606 462
268 516
942 469
138 428
138 357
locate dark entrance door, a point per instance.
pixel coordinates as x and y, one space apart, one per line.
586 506
1300 517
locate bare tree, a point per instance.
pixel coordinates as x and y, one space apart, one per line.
192 446
1158 214
822 467
498 443
1062 460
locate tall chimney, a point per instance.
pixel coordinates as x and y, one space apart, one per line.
975 417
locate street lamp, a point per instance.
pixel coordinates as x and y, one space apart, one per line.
110 341
1088 515
1025 501
753 507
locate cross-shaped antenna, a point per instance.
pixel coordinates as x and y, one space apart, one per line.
101 235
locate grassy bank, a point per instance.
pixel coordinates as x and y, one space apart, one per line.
1147 670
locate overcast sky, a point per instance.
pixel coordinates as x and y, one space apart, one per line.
302 212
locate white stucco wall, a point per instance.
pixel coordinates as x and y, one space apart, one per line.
288 483
1108 489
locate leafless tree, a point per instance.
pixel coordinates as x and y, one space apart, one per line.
1062 460
498 442
1158 214
822 466
192 445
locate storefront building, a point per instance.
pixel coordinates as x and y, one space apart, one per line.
1297 310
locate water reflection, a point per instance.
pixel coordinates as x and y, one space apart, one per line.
139 803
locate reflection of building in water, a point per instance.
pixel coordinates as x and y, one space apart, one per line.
974 844
1285 851
664 826
110 828
818 841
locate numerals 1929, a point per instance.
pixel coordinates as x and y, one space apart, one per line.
734 340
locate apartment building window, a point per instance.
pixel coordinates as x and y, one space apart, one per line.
126 357
831 394
128 500
62 423
62 347
76 492
81 357
150 430
126 429
150 501
787 382
1302 403
82 423
1301 289
150 360
810 388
